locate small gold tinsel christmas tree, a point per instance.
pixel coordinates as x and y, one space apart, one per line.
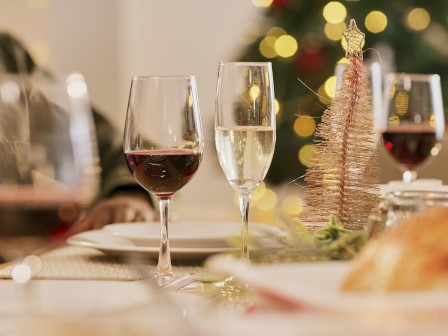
342 179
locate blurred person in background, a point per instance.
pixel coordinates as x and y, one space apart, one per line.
120 199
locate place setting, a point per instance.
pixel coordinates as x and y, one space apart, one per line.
189 240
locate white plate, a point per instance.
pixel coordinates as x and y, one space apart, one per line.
193 234
103 241
71 307
316 286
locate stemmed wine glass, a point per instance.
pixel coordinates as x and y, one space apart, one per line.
245 130
163 144
413 123
48 162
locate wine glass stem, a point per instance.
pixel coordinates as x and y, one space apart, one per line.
164 270
409 176
244 200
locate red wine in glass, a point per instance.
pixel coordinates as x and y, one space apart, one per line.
410 147
164 171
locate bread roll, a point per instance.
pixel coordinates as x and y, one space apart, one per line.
412 256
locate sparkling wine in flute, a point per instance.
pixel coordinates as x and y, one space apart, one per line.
245 154
245 130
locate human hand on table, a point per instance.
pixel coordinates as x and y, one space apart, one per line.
121 207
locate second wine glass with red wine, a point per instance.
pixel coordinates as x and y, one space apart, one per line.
413 124
163 144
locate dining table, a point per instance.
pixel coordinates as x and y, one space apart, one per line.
74 289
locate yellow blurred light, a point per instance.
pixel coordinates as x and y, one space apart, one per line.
292 205
254 92
322 95
376 22
266 47
304 126
276 32
330 86
38 3
344 60
418 19
259 192
262 3
277 107
334 12
392 91
286 46
268 201
305 154
432 121
394 120
402 103
334 30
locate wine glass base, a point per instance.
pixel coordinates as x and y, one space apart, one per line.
230 287
163 279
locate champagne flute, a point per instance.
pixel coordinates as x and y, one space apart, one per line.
245 130
163 144
413 123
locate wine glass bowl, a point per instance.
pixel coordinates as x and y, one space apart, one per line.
413 123
48 158
163 144
245 130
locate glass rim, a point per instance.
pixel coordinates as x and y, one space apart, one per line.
245 63
141 77
413 76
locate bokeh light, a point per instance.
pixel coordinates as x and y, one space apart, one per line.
334 30
21 273
254 92
304 126
292 205
376 22
266 47
334 12
393 120
10 92
432 121
277 107
402 103
276 31
262 3
268 201
330 86
322 95
258 193
286 46
305 154
418 19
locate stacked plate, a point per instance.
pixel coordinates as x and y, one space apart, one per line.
188 240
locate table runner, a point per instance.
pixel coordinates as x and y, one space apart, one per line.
83 263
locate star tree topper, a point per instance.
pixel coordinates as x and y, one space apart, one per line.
355 38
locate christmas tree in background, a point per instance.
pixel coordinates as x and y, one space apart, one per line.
302 39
